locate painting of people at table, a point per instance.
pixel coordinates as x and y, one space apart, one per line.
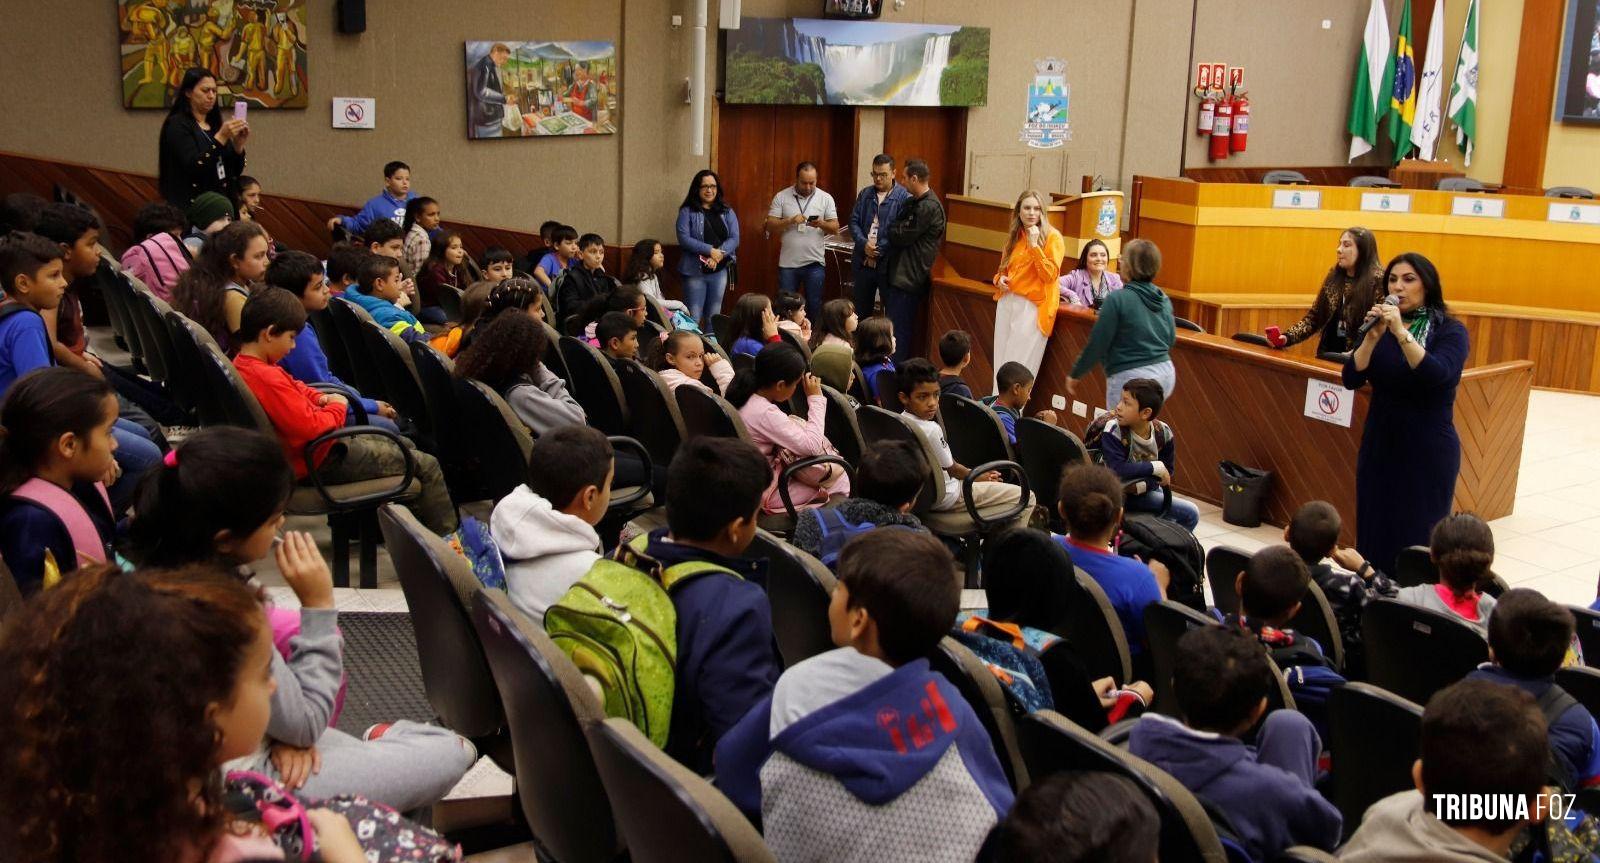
256 49
534 89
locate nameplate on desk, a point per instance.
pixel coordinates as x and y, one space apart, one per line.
1296 199
1384 202
1483 208
1329 403
1573 213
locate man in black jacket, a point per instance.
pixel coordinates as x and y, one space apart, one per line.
914 239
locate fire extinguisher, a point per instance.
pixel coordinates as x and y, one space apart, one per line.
1241 123
1208 110
1222 130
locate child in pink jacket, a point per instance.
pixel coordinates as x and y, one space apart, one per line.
684 359
778 371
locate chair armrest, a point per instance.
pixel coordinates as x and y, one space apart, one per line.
1004 467
803 464
350 395
628 443
406 477
1117 734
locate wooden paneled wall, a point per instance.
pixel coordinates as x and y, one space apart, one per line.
937 136
1245 404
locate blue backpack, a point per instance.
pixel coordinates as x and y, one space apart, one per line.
1011 653
837 531
473 542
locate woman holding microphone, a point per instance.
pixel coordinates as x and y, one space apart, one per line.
1411 350
1027 293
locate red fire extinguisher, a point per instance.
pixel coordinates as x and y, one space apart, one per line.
1241 123
1208 111
1222 130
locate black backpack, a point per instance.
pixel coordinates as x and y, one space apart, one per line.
1150 537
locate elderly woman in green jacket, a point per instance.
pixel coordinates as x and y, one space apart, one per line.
1134 334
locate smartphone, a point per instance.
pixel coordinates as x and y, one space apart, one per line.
240 109
812 218
1273 334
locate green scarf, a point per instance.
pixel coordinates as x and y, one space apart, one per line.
1420 324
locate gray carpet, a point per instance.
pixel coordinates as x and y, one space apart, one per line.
380 662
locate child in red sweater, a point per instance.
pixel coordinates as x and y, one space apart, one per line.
268 325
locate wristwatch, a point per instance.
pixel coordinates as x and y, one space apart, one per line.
1363 569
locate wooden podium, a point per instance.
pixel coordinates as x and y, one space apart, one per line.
1417 174
1085 217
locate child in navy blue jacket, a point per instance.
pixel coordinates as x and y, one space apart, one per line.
727 656
1138 446
388 204
1265 790
897 745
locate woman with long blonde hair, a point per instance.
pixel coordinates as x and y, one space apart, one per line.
1026 290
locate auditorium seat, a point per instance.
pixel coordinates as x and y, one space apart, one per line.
1096 634
400 382
436 374
1186 324
438 584
1045 451
332 346
1369 181
1415 652
973 430
987 698
549 709
1224 563
1051 744
554 361
1461 184
1568 192
665 812
1582 683
1256 339
1588 628
799 589
1164 623
348 319
795 342
841 427
595 386
1414 566
1285 177
1372 738
722 330
450 302
656 313
1316 621
653 417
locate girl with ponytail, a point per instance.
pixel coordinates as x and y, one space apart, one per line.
757 391
56 448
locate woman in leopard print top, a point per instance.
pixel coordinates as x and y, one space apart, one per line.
1348 291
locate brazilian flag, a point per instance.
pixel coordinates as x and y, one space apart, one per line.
1403 98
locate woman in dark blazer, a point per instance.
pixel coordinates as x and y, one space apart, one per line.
1410 453
200 152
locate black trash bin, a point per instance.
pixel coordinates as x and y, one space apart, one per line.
1243 490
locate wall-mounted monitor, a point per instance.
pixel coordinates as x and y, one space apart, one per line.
1578 98
813 61
857 9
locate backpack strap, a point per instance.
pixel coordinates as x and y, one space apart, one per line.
673 576
86 541
1554 702
996 630
11 307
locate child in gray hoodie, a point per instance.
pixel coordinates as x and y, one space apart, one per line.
545 528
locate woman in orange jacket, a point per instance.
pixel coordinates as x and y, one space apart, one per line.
1027 292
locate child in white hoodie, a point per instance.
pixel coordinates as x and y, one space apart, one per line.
545 528
684 359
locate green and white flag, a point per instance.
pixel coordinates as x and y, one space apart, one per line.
1430 89
1374 80
1463 109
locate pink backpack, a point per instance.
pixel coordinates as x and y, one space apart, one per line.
157 262
86 541
285 623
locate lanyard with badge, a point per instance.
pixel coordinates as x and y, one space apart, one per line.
803 204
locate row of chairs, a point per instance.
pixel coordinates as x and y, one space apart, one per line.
1288 177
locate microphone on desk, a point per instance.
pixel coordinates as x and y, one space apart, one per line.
1372 321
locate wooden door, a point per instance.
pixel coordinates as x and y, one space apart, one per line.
758 147
937 136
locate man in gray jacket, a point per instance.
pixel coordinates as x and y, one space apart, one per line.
914 239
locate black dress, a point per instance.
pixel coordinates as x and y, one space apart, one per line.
194 161
1410 454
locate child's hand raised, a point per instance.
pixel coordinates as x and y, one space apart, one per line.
812 384
769 323
304 570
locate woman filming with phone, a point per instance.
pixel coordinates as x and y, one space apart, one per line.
201 152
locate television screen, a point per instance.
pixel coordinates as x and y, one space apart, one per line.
1578 100
852 8
814 61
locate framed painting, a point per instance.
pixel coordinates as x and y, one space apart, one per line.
256 49
538 89
814 61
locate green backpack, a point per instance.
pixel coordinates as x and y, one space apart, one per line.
619 627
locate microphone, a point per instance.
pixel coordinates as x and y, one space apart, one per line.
1393 300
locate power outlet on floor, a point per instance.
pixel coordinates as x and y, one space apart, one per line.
1080 409
1058 403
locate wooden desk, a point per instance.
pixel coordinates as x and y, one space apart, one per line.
1228 238
976 229
1243 403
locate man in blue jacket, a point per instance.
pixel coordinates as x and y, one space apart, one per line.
874 211
1266 790
727 656
388 204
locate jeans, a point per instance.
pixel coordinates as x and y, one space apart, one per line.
1162 373
865 295
702 293
901 307
432 315
136 454
1182 512
810 276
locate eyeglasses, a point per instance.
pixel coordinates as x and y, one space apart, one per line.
883 173
708 185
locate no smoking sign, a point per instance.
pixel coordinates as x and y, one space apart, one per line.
351 113
1328 402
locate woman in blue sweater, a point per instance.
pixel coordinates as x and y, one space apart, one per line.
708 231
